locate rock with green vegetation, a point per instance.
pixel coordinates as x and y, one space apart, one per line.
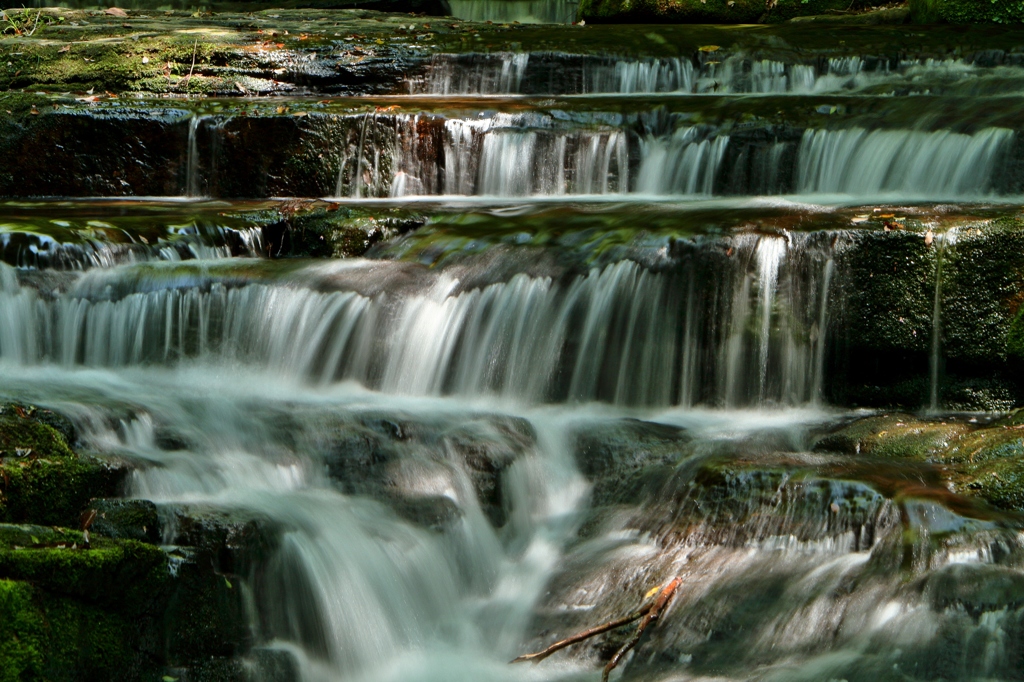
884 354
41 479
968 11
332 231
74 612
628 460
983 462
893 436
126 519
108 603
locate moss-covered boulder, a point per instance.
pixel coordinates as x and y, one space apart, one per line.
71 612
41 479
981 462
893 436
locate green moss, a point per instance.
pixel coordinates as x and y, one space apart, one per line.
55 638
983 280
52 491
895 436
892 291
714 11
1000 482
968 11
23 436
23 633
124 575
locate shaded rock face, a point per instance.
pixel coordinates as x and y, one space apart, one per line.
784 549
887 331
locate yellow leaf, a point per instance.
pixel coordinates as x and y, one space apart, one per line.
651 592
709 48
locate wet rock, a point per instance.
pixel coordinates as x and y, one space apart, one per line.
232 539
126 519
414 464
627 459
80 154
887 316
900 436
979 461
205 615
337 233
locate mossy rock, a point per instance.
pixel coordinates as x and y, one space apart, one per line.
895 436
126 520
124 575
49 637
982 289
53 491
72 613
334 232
41 479
984 463
999 481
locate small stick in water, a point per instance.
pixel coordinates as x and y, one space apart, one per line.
649 612
652 615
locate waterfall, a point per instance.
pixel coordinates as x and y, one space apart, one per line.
683 164
923 164
641 76
820 332
499 157
620 333
475 74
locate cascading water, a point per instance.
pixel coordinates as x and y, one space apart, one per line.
528 338
650 350
554 73
938 164
508 155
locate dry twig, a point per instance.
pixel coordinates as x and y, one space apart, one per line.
646 614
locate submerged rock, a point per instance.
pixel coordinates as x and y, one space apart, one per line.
428 472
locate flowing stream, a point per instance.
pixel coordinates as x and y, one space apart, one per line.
501 427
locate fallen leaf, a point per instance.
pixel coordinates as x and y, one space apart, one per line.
300 114
34 111
66 48
709 48
115 12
